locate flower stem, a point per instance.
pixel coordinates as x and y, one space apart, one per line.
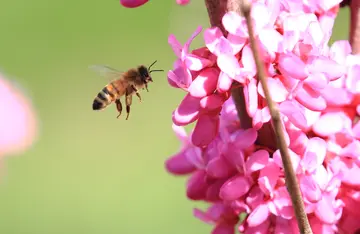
291 182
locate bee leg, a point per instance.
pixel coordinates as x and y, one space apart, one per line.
118 106
137 93
128 101
146 86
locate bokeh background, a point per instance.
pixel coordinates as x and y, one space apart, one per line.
90 172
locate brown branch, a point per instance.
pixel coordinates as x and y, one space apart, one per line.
291 182
216 10
355 26
237 93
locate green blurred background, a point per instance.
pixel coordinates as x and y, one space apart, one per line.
90 172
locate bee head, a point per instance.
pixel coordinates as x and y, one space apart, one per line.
148 71
145 74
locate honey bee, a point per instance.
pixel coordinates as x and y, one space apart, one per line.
125 83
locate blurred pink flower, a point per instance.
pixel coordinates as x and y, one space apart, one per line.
182 2
137 3
133 3
18 125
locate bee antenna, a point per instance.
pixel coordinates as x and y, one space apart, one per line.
155 71
152 64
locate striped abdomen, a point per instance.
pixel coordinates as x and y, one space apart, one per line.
104 98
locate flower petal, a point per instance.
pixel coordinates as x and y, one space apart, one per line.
277 90
353 80
175 45
185 50
314 103
295 113
339 50
251 97
310 189
228 64
234 188
329 67
223 228
133 3
258 215
223 47
248 61
18 121
196 63
292 66
219 168
234 24
316 81
295 159
257 161
268 178
245 138
271 39
197 186
205 83
180 133
180 76
182 2
179 164
329 124
212 102
352 150
342 97
211 37
187 112
314 155
206 129
236 42
325 211
224 82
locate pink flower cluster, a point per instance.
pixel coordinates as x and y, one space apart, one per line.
18 125
317 90
137 3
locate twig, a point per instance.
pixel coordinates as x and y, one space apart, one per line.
291 182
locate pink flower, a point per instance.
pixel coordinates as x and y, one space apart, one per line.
316 88
18 125
195 73
223 216
188 159
349 219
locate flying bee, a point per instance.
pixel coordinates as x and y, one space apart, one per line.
125 83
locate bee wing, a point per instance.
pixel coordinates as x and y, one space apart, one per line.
106 71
